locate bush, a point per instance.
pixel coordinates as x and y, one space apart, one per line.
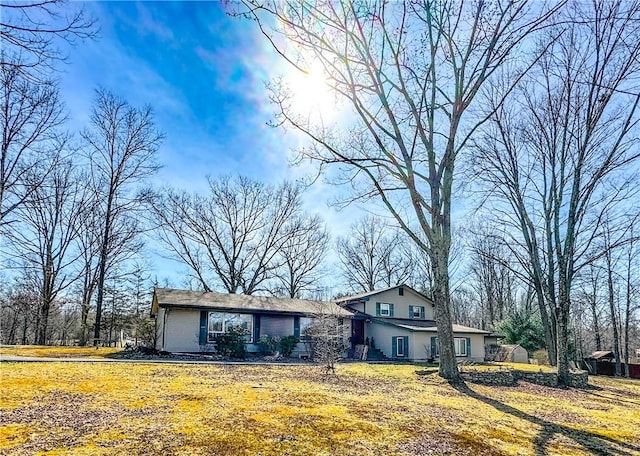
287 345
541 357
267 345
233 342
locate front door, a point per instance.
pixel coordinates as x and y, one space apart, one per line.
357 333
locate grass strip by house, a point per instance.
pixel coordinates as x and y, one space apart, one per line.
57 351
146 409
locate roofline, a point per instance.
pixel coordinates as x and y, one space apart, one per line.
385 321
243 311
365 296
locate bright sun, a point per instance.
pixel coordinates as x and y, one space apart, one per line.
311 94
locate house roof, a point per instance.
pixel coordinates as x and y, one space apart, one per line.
361 296
168 297
426 325
603 354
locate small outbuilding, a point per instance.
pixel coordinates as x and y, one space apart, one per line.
512 354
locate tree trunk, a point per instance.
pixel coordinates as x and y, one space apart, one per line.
562 322
594 314
104 251
612 308
448 365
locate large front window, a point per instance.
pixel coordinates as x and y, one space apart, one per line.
220 322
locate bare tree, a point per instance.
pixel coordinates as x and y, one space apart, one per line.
493 278
121 146
556 156
326 338
632 286
410 72
301 256
44 242
611 295
233 236
31 115
31 31
373 256
19 307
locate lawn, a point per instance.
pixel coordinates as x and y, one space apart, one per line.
57 352
95 408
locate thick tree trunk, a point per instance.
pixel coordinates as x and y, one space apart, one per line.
440 266
562 321
104 251
548 323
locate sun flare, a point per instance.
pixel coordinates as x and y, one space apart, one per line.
311 94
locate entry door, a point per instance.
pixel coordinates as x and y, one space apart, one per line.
357 336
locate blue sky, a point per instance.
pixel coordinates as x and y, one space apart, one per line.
202 71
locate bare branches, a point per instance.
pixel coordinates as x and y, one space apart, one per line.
31 32
558 159
242 235
373 255
30 118
121 145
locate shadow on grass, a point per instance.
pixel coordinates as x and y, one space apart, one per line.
594 443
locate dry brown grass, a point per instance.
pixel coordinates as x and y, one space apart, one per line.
57 352
145 409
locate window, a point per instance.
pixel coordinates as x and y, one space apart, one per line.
400 346
401 291
220 322
305 323
385 309
461 346
417 312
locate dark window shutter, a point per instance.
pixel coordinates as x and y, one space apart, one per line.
422 312
468 347
391 310
296 327
203 327
410 311
433 346
406 346
377 309
256 328
394 347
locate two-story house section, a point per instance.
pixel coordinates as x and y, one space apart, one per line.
400 322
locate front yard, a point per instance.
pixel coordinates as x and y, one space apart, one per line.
125 408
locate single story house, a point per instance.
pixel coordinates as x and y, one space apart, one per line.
400 322
187 321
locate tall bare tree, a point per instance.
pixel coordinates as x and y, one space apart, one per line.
493 278
234 235
48 224
373 256
31 115
301 256
556 157
410 73
121 145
